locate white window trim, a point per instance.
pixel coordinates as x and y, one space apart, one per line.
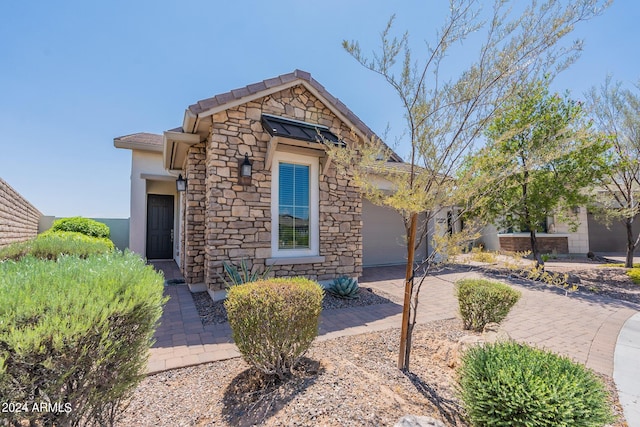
314 202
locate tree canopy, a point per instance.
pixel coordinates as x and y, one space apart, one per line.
616 114
542 148
446 112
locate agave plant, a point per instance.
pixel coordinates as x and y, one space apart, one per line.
242 274
344 287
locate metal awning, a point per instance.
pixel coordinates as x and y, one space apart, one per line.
287 128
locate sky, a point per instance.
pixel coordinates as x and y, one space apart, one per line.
74 75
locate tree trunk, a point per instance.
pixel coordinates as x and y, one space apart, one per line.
631 244
406 331
535 252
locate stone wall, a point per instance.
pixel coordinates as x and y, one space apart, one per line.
238 218
18 218
192 248
546 244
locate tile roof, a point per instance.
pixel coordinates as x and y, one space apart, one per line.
252 89
140 141
144 138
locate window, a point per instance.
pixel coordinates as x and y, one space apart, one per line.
294 206
541 227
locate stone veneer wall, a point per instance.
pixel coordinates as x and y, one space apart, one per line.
546 244
238 218
192 249
18 218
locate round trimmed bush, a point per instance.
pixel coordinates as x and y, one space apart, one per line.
86 226
483 301
510 384
274 321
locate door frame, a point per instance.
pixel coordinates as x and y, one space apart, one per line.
166 197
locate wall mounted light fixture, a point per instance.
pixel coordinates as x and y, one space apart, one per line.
244 170
181 183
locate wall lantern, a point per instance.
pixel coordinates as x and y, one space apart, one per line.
244 170
181 183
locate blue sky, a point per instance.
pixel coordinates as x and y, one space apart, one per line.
76 74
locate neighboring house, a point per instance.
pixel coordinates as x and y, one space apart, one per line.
295 212
554 238
592 235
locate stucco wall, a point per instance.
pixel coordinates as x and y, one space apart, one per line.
18 218
578 240
148 177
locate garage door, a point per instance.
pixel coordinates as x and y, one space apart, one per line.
383 236
612 239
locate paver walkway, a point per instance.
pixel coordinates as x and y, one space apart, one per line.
584 327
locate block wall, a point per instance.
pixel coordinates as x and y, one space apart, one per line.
18 218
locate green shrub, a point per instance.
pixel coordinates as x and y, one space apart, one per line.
634 273
78 224
50 245
344 287
482 301
274 322
509 384
75 332
478 255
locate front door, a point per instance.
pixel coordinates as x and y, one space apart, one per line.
159 226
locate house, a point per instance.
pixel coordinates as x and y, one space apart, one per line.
293 212
556 237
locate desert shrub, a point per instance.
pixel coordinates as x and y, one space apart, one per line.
509 384
237 275
50 245
483 301
617 264
76 333
344 287
478 255
78 224
273 322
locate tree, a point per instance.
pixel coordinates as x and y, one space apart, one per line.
542 145
616 112
444 116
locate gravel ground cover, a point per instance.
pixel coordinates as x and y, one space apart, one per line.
213 312
348 381
595 277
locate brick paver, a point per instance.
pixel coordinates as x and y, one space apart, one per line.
584 327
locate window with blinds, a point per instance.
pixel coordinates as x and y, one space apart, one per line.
293 206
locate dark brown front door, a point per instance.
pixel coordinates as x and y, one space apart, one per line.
159 226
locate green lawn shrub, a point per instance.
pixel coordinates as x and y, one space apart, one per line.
75 335
50 245
274 321
82 225
509 384
483 301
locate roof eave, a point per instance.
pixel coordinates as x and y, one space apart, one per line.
175 148
135 145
